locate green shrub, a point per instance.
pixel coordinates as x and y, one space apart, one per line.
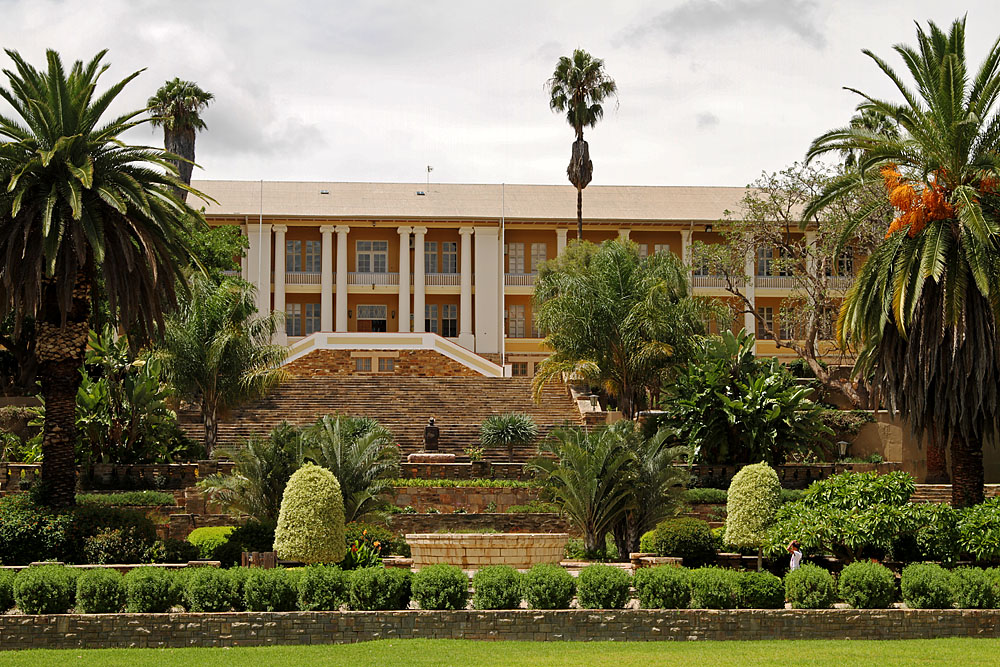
208 589
690 539
441 586
603 587
311 521
29 533
252 536
237 579
128 499
100 591
6 589
148 590
927 586
210 540
269 590
369 533
810 587
975 588
713 588
496 587
662 587
647 542
867 585
577 550
96 530
117 545
705 496
177 586
45 589
379 589
753 500
322 588
172 551
759 590
548 586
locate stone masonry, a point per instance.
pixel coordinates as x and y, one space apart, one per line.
474 551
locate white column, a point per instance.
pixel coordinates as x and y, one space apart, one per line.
466 337
280 337
749 321
560 240
342 231
623 234
404 278
418 278
259 265
326 280
489 274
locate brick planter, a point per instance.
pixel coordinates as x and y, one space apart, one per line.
472 551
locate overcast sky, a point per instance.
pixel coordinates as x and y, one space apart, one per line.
710 92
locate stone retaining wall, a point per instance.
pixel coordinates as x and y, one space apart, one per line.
473 499
475 551
263 629
415 363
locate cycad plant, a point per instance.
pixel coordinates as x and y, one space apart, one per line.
80 207
922 315
512 429
361 453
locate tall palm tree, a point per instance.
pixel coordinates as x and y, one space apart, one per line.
579 86
177 106
217 351
79 206
924 310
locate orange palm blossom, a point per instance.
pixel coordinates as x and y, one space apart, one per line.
916 205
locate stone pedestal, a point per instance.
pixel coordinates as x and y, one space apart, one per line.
430 457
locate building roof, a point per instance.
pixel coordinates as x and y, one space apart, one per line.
453 201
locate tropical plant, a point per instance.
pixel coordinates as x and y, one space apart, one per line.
217 351
922 315
258 480
579 86
752 502
616 319
177 107
512 429
81 208
311 521
731 407
361 453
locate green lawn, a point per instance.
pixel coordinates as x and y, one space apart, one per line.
389 653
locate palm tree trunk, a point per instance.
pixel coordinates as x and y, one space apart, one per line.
181 143
579 213
966 473
209 416
59 350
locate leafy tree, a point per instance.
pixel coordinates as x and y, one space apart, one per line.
579 86
616 319
80 207
177 107
922 315
752 502
217 249
510 430
360 452
217 351
731 407
263 467
311 520
819 269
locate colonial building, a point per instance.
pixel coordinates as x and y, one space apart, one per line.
456 260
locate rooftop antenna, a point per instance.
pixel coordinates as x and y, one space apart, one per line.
429 170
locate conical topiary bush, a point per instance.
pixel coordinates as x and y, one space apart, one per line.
752 502
311 520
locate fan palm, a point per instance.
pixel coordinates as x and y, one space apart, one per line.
363 456
177 106
217 351
923 313
579 86
80 207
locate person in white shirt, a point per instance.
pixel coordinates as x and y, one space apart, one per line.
793 548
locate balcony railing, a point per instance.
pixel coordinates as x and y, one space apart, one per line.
382 279
519 279
708 281
442 279
775 282
302 277
840 282
232 274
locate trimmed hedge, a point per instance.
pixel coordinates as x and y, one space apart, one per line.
148 590
45 589
690 539
379 589
810 587
927 586
100 591
6 589
975 588
663 587
128 499
603 587
497 587
440 586
867 585
548 586
311 520
268 590
210 540
322 588
713 588
208 589
759 590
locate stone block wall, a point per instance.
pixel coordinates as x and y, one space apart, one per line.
473 552
473 499
295 628
414 363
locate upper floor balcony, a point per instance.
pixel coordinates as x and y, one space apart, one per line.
519 279
372 279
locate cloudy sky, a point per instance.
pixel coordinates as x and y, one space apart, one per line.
711 92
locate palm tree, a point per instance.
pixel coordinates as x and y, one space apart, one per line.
217 351
924 310
177 106
80 207
579 85
361 453
508 430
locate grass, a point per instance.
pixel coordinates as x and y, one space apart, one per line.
460 483
423 652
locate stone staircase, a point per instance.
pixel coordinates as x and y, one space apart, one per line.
403 405
941 493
